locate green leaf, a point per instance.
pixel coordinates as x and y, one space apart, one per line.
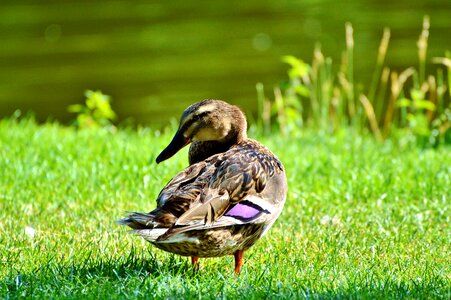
291 60
292 114
417 94
298 67
424 104
302 90
75 108
404 102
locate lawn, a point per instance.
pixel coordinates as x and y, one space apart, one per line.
362 219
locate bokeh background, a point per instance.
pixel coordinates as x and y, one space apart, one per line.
156 57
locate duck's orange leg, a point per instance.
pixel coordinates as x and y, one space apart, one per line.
195 262
239 254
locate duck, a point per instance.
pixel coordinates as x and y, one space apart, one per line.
228 197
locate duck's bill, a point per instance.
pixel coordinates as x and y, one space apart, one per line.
177 143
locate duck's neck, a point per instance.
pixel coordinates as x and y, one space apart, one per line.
200 151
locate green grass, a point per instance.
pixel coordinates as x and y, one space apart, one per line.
362 219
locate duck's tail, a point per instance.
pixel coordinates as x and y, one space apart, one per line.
137 220
144 225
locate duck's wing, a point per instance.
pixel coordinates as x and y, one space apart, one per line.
240 186
178 196
186 185
235 193
174 200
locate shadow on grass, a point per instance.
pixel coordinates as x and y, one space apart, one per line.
68 277
142 274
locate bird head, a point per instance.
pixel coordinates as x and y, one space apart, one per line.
208 120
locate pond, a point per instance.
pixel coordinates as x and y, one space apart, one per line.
156 57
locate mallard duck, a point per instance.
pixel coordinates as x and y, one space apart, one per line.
226 199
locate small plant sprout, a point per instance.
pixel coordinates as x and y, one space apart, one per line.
97 111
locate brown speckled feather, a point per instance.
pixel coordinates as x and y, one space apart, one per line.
191 194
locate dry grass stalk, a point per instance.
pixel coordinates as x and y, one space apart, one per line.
350 68
278 97
371 117
422 45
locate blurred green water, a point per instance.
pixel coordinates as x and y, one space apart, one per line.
156 57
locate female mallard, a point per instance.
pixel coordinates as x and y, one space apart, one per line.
229 196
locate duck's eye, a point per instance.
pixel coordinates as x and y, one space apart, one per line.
198 116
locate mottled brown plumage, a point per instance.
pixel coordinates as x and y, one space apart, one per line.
229 196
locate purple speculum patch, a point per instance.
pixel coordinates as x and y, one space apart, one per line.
245 211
